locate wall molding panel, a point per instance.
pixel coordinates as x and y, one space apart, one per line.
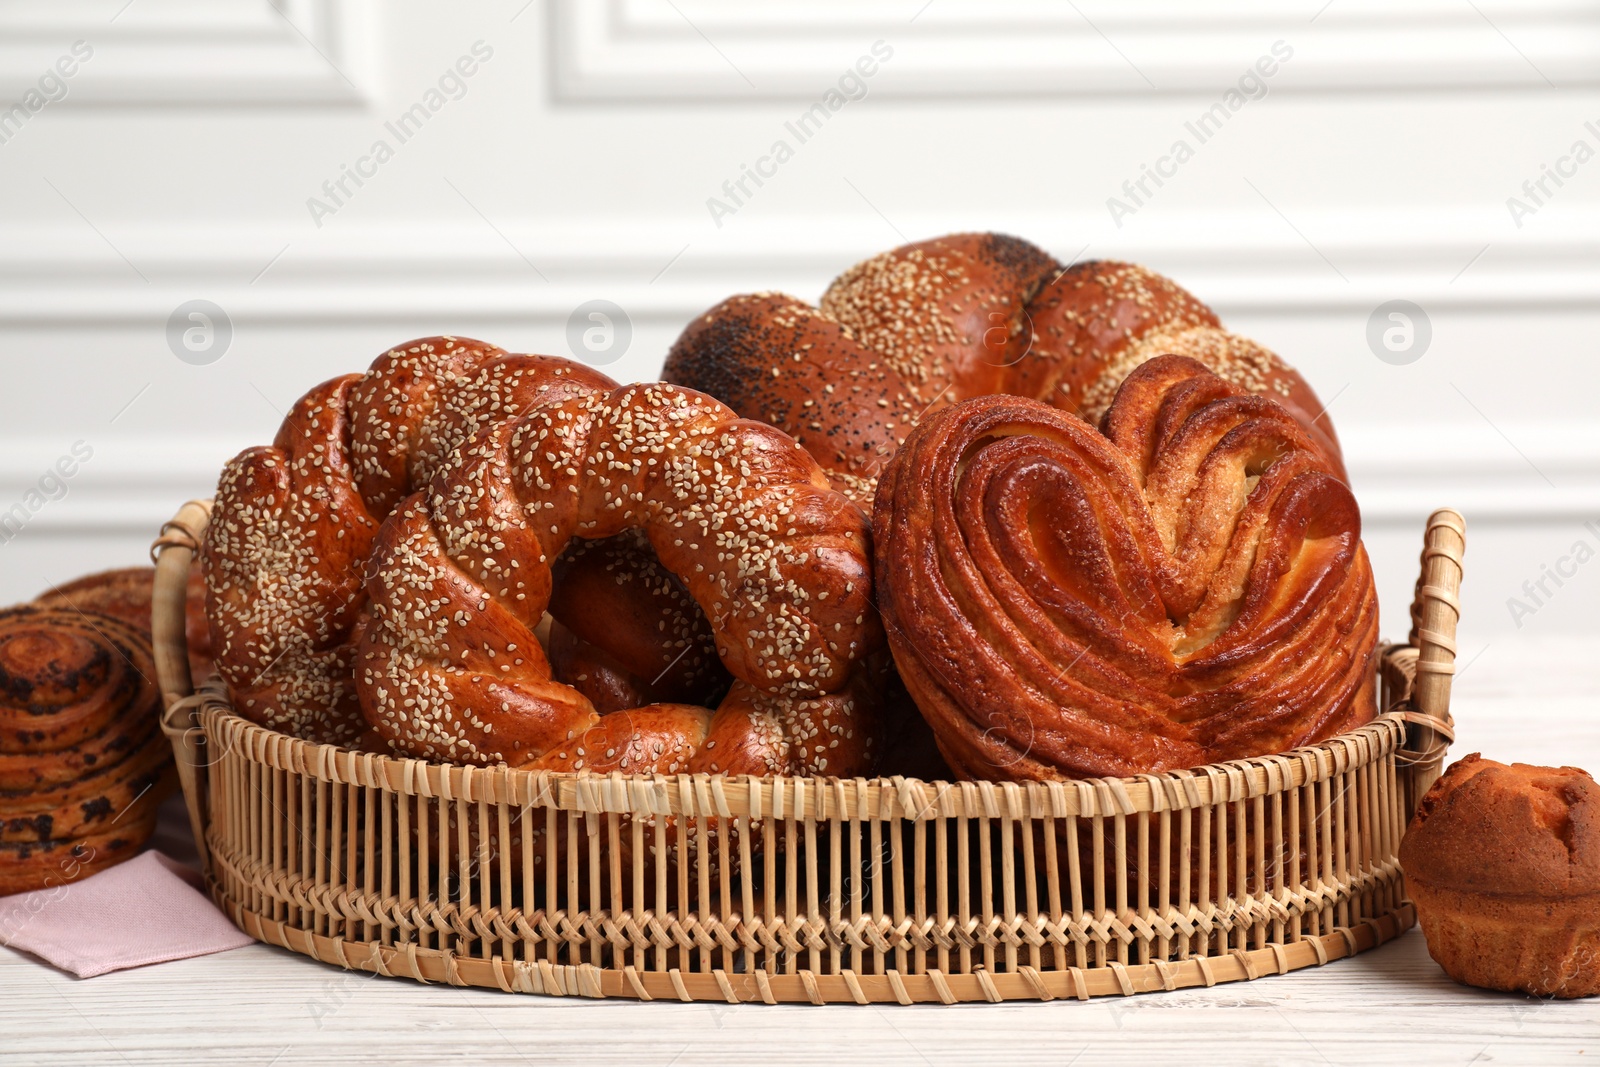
159 53
637 51
1245 263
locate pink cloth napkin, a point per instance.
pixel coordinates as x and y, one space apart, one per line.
147 910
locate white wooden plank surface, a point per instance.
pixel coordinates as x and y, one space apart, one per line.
1516 701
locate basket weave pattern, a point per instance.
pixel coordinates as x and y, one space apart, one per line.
701 887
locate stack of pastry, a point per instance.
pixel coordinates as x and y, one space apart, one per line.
1111 537
83 761
479 557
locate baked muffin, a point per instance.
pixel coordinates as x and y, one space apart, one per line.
1503 864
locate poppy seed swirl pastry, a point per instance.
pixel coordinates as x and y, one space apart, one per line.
383 572
126 594
905 334
83 761
1184 586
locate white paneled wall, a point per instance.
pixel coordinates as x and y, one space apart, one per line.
340 175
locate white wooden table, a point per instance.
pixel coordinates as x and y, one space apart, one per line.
264 1005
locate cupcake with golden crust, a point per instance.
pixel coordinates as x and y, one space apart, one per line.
1503 864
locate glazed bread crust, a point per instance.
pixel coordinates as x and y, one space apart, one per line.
903 335
775 358
625 631
1187 586
382 572
461 574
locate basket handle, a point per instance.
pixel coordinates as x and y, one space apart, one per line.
1435 612
173 552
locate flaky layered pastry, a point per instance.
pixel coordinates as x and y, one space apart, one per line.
1187 586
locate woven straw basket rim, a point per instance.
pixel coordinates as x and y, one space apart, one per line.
1407 743
722 796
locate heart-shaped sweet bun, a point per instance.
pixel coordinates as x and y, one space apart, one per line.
1183 586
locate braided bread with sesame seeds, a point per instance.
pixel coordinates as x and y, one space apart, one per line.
908 333
382 573
286 551
461 575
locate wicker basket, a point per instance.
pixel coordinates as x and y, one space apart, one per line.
817 890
